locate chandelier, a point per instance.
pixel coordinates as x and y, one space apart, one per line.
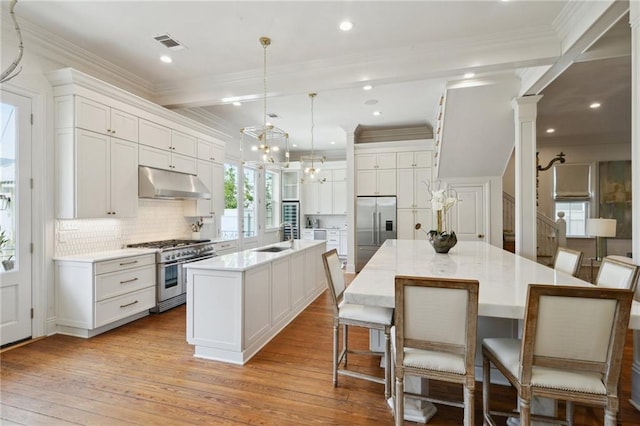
270 142
311 163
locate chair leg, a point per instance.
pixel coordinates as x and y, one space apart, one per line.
345 342
335 354
387 364
569 414
399 402
469 409
610 417
525 409
486 388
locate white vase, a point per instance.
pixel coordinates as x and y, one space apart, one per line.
195 235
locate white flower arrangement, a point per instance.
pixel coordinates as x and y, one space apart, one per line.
441 201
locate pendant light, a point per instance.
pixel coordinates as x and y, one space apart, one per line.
311 163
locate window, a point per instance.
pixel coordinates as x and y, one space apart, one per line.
575 214
271 199
229 223
250 210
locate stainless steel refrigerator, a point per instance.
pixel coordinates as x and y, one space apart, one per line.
375 223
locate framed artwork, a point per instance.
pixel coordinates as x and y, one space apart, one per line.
614 195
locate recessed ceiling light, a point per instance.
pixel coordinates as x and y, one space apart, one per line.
236 103
367 87
332 142
166 59
294 145
595 105
469 75
551 130
376 113
346 25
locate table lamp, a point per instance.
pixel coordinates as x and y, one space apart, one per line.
601 229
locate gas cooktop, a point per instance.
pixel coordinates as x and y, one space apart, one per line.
167 244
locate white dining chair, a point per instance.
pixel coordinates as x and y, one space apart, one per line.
568 261
348 314
436 326
571 349
617 272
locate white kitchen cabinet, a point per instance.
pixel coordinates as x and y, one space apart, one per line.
338 175
414 159
257 296
164 138
385 160
210 151
339 197
342 251
407 220
307 234
318 198
100 118
296 276
412 190
212 175
96 175
290 185
95 296
167 160
225 247
333 239
376 182
280 289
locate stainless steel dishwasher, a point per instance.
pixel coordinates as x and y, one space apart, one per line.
319 234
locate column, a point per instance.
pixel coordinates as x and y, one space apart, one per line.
525 113
635 179
351 202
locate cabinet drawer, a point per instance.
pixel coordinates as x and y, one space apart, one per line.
110 310
125 263
121 282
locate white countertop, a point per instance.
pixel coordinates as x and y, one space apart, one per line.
503 276
106 255
247 259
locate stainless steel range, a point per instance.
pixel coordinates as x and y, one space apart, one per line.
171 279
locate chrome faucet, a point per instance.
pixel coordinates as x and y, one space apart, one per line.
284 226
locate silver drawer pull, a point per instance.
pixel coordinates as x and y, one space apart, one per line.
133 262
129 281
129 304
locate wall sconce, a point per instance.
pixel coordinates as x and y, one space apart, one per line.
601 229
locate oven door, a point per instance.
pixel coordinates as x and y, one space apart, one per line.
169 280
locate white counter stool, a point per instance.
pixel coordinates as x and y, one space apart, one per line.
617 272
571 350
436 324
347 314
568 261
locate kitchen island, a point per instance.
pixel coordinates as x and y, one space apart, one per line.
236 303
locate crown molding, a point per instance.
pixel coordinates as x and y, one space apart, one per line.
220 126
367 134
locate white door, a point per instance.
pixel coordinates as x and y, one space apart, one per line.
467 216
15 217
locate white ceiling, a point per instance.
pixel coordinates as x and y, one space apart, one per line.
409 51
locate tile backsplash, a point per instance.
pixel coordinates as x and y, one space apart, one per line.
156 220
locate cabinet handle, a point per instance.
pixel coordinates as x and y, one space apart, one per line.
129 281
113 131
108 130
133 262
129 304
480 235
113 213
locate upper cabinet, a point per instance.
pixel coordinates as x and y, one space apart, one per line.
290 185
414 159
210 151
164 148
101 118
385 160
376 174
328 194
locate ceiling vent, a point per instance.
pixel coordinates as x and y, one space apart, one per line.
272 115
169 42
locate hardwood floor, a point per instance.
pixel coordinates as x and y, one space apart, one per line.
144 373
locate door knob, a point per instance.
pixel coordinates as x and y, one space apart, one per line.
480 235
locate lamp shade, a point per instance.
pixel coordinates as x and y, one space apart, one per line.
601 227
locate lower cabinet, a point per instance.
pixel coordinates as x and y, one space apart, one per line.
409 218
95 296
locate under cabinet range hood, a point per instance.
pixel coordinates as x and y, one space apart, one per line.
165 184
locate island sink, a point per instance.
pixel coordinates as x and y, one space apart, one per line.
273 249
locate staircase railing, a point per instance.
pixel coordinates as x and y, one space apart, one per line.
550 234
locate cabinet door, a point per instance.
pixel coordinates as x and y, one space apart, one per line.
425 218
92 175
257 289
91 115
310 193
386 160
205 150
339 204
325 198
296 276
205 174
290 185
306 234
184 144
154 135
153 157
184 164
124 125
386 180
406 224
217 189
280 290
405 188
124 178
366 161
421 198
423 158
339 175
366 182
342 251
405 160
